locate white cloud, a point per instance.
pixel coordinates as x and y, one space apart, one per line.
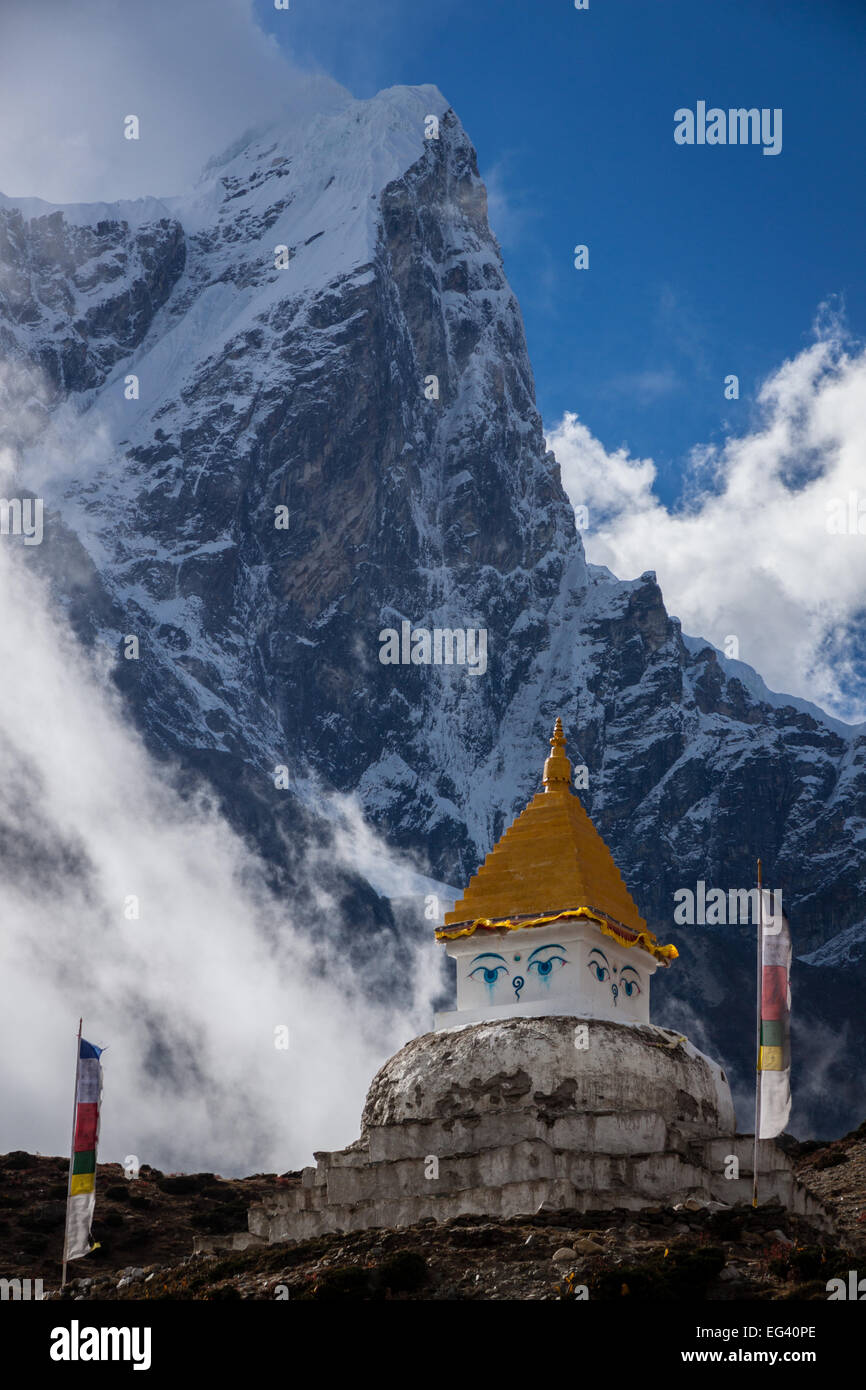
196 74
188 996
749 553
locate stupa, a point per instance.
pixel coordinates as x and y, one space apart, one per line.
547 926
548 1084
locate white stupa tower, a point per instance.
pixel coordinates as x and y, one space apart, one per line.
547 1083
547 926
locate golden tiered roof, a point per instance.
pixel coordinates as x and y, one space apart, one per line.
551 864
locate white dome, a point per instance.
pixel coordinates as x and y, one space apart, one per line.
540 1065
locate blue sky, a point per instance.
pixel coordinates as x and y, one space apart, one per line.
703 261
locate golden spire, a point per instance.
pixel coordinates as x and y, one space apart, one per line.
557 769
551 858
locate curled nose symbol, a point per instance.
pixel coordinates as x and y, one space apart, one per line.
519 982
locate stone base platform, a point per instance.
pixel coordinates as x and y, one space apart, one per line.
496 1119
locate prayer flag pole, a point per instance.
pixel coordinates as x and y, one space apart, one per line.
760 960
71 1150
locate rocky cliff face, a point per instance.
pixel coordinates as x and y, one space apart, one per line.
270 342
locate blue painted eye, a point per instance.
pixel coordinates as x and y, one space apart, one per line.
601 971
547 967
491 973
631 987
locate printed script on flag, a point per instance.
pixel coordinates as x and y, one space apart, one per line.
774 1060
82 1181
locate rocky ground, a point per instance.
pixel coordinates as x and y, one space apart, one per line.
146 1228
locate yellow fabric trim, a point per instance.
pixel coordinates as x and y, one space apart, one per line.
81 1183
771 1059
644 939
674 1042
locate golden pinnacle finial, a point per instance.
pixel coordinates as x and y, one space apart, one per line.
557 769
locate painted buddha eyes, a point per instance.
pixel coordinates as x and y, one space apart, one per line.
543 962
601 970
546 967
489 973
489 967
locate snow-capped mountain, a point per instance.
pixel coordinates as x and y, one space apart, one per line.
324 326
